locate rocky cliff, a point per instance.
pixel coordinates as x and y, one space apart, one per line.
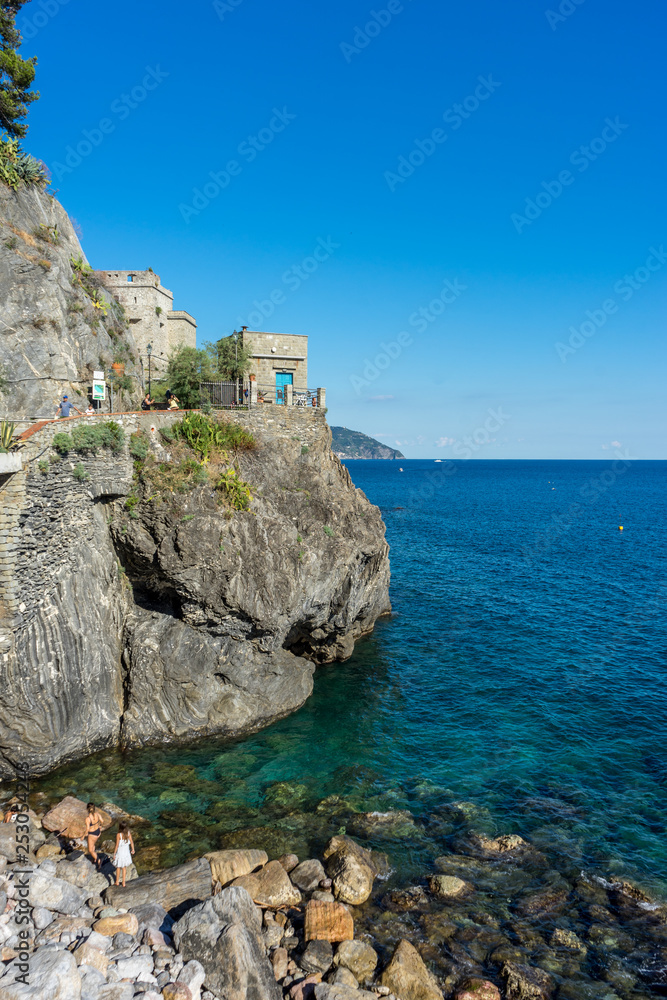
128 616
57 324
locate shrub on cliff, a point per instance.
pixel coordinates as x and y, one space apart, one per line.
206 436
89 438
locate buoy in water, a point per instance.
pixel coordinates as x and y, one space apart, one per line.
620 527
400 470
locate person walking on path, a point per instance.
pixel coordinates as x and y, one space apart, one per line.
124 851
93 831
65 407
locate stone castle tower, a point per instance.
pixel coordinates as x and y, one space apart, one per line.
149 308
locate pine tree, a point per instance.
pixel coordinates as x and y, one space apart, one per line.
16 74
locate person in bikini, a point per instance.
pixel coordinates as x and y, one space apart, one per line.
93 831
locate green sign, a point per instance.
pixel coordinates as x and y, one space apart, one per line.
99 391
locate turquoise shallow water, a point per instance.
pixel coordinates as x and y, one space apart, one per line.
523 670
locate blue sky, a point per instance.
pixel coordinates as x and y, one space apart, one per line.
510 221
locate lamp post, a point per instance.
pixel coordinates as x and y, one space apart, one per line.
236 369
149 351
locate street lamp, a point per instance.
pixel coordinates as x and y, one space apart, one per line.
236 367
149 351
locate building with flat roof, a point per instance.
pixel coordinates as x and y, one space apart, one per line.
149 307
278 360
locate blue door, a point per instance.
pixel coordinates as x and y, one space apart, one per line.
282 379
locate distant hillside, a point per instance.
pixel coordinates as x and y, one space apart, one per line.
354 444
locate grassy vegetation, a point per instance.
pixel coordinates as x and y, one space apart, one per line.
200 449
89 438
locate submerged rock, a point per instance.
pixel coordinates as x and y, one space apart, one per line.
478 989
449 887
351 870
522 982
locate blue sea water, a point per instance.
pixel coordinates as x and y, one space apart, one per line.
522 670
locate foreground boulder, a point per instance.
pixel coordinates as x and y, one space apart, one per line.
478 989
351 870
407 976
69 818
270 886
53 975
358 957
228 865
328 922
55 894
174 889
224 934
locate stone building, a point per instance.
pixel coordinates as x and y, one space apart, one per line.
278 360
149 308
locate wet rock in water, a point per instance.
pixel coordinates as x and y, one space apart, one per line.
228 865
68 817
274 842
357 957
449 887
289 862
568 940
540 903
610 937
328 922
53 976
477 989
382 825
172 889
318 957
438 927
55 894
125 923
308 875
351 870
286 797
224 934
523 982
490 847
461 864
407 976
270 886
402 900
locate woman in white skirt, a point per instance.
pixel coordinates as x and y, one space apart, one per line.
124 851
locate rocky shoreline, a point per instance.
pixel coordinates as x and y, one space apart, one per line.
494 919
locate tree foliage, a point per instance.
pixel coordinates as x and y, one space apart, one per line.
222 361
229 358
16 74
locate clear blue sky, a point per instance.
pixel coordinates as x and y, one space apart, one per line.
212 75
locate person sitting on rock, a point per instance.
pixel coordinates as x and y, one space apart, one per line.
11 814
93 831
124 851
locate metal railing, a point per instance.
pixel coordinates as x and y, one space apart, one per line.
232 395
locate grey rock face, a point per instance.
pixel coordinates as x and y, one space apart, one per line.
55 894
225 935
52 338
308 875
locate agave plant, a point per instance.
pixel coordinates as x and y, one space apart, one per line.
7 430
30 170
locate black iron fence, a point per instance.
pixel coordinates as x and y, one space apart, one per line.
231 395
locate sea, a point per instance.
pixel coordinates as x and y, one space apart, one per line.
521 672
